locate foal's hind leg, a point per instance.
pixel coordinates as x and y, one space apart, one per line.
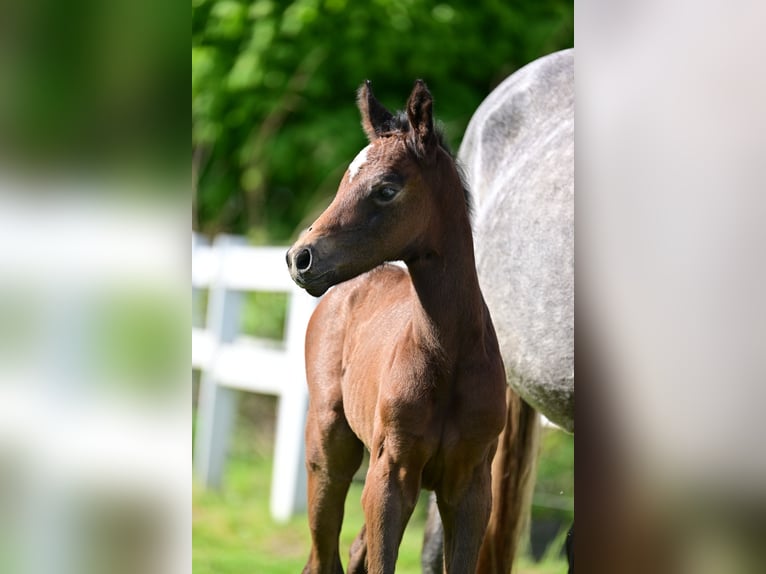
465 520
357 555
333 454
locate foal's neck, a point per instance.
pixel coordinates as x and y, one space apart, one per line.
444 277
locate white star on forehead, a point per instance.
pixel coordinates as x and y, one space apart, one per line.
358 162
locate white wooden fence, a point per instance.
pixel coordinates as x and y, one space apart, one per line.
231 362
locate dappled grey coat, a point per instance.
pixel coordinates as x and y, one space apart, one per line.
518 154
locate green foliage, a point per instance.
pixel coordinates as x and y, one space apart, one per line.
274 123
554 489
264 314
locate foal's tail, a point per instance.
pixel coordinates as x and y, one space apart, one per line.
513 480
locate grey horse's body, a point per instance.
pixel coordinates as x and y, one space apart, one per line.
518 157
518 153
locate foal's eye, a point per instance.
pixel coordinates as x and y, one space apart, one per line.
385 193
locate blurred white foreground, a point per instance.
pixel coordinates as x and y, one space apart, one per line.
95 456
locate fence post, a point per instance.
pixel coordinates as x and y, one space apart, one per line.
216 409
288 493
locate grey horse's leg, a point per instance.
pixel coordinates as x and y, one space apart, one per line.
432 559
570 549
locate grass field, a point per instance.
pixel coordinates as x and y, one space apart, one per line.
233 532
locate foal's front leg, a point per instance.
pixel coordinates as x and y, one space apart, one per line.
333 454
390 494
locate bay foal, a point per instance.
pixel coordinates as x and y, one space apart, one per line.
405 363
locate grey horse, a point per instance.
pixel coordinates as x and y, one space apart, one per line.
518 156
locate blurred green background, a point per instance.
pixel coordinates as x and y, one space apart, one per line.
274 120
274 126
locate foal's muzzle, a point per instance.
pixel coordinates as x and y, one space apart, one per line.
301 261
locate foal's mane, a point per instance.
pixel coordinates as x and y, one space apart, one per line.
400 124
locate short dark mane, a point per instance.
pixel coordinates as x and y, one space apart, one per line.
400 124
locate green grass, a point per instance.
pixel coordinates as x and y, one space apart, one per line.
233 532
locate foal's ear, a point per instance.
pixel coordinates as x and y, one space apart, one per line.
376 119
420 115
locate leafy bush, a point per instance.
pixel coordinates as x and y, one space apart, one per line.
273 85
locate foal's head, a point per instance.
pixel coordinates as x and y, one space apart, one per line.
391 202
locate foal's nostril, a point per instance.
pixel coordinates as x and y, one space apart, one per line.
303 260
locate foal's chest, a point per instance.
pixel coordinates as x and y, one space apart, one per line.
392 383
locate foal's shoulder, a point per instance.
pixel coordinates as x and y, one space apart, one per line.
383 276
389 279
380 290
387 274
